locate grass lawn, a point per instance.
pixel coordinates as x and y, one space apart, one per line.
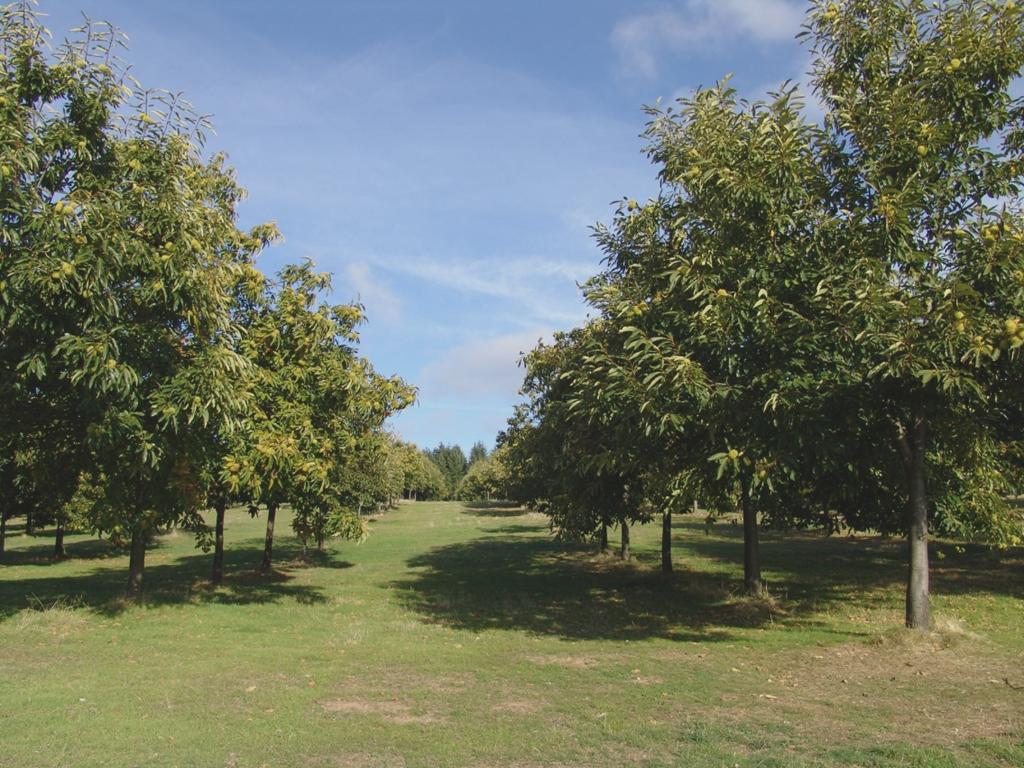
465 636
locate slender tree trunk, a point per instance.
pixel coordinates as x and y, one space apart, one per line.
58 541
3 532
604 536
912 449
666 542
320 544
30 522
268 546
218 544
624 547
751 544
136 564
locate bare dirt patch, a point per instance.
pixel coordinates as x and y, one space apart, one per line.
391 711
518 707
646 679
360 760
384 684
568 661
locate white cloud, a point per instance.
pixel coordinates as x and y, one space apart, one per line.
545 288
639 39
376 295
479 369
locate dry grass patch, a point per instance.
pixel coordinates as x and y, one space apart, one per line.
925 688
384 684
568 661
59 619
645 679
518 707
359 760
390 711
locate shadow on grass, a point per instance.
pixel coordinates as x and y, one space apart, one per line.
515 578
494 509
808 568
547 587
185 580
42 553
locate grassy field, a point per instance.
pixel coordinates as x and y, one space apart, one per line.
465 636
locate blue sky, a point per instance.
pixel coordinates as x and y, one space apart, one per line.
445 160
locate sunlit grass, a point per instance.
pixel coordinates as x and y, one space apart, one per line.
465 636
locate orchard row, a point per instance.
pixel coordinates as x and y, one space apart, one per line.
148 370
816 322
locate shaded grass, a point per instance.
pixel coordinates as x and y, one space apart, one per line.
183 579
459 636
494 509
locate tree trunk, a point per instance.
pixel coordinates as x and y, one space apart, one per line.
58 541
604 536
30 523
912 449
624 548
3 532
751 545
218 544
666 542
268 547
136 564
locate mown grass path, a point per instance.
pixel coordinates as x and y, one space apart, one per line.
462 636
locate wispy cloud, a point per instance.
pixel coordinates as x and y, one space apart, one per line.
475 382
480 368
382 305
640 39
544 288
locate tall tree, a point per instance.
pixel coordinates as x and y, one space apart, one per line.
487 478
477 453
569 457
710 284
317 405
119 254
925 147
453 465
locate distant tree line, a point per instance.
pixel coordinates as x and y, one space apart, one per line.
452 463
